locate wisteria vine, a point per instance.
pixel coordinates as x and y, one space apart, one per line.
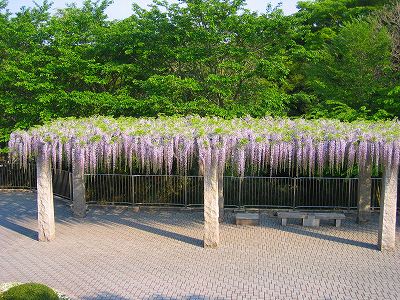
259 144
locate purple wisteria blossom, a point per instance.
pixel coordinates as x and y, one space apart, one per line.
158 144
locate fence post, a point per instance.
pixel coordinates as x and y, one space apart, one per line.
240 192
221 200
29 176
70 186
33 176
294 192
133 189
185 188
349 194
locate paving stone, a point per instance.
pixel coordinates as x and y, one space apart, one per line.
115 253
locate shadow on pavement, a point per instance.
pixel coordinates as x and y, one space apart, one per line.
328 237
19 229
104 296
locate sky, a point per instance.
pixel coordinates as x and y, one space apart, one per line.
121 9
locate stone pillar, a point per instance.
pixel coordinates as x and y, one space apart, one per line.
201 168
364 192
388 207
45 202
78 186
221 199
211 207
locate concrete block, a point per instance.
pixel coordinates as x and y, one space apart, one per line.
247 219
310 221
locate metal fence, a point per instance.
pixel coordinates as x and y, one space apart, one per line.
175 190
62 184
13 177
300 192
170 190
261 192
17 178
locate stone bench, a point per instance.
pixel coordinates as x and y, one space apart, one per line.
247 219
311 218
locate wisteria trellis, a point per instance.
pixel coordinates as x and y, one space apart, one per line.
155 143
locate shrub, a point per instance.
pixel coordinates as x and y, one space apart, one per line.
30 291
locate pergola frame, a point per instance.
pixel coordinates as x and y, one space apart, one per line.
273 144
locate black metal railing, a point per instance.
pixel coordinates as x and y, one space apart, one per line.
14 177
176 190
261 192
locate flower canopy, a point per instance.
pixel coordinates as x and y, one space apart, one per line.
157 143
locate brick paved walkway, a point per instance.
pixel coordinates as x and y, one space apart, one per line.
119 254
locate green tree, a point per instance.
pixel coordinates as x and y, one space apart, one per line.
351 72
389 18
22 76
207 57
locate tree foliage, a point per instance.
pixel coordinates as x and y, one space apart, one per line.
351 72
206 57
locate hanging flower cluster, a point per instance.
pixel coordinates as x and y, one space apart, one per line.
156 143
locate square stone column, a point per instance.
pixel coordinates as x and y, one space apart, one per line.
78 185
364 192
211 204
388 207
45 203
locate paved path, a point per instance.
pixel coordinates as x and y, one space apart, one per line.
120 254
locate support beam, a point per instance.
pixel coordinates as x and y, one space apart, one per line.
221 199
78 186
45 202
388 207
364 192
211 207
